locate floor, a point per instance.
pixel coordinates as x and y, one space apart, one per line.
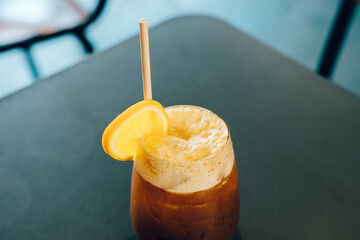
297 29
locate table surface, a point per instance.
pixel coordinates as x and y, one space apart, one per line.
296 138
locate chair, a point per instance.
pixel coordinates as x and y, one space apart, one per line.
336 38
24 35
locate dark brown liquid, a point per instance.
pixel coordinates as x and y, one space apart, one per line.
211 214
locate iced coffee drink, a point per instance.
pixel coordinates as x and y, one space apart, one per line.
184 179
184 182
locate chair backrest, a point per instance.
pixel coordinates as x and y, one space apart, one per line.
38 36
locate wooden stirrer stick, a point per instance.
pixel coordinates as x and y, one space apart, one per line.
145 58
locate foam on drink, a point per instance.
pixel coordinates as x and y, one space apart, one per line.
195 155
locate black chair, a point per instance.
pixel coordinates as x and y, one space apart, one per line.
336 37
77 30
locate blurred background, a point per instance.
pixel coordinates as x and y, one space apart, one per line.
298 29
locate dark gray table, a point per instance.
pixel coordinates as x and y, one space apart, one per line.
296 138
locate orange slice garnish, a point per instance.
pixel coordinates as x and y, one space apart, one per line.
121 135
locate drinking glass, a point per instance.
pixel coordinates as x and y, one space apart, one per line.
190 200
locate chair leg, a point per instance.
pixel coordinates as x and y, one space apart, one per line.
31 62
88 47
336 38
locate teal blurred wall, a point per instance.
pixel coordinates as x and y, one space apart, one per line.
297 29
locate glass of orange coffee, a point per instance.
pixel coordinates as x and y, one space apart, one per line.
184 182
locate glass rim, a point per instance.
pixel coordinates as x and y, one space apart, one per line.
202 160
